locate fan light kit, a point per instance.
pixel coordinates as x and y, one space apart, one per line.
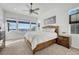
32 10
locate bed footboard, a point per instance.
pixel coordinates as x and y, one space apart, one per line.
44 45
41 45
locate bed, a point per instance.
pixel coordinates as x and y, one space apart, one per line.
39 40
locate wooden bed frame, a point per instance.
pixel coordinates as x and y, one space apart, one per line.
44 44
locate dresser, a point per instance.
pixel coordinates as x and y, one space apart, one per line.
64 41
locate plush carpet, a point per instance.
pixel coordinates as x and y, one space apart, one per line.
19 47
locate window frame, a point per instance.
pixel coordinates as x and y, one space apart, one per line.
33 23
8 24
23 22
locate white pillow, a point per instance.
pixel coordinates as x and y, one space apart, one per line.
49 29
53 30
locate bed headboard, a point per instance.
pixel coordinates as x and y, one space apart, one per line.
50 27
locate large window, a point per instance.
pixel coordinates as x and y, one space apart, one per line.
23 26
74 21
11 25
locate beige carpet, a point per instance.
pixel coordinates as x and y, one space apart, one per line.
19 47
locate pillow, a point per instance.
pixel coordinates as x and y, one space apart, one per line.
49 29
53 30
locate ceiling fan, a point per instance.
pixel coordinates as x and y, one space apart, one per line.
32 10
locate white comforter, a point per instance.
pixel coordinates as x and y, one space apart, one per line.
38 37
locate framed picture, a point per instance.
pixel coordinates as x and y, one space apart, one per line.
50 20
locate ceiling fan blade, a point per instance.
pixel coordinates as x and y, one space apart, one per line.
36 9
35 13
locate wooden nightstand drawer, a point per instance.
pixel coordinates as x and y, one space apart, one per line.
63 40
60 37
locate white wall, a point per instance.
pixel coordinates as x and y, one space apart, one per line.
75 40
62 19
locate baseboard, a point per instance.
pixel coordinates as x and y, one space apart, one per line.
75 48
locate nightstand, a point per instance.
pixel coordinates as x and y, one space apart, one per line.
63 40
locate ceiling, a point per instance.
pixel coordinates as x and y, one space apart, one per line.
20 7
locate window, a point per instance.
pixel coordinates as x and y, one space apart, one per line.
74 18
74 21
11 25
75 28
23 26
33 26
